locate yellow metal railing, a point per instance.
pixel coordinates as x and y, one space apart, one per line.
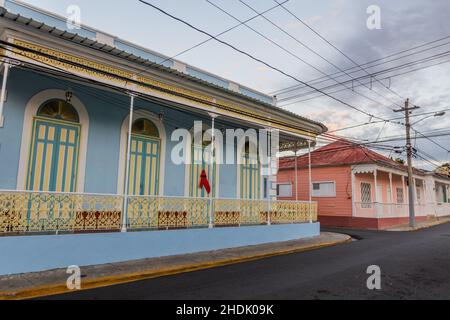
167 212
47 212
50 212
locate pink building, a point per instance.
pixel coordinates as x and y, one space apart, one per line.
356 187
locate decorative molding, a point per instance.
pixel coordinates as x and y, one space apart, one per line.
118 77
30 111
187 165
239 152
154 118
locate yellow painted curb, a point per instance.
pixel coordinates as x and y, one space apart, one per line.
54 289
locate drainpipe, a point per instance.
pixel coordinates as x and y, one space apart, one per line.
127 174
3 93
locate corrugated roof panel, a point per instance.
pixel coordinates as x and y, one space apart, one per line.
256 95
207 77
342 152
57 26
143 54
45 18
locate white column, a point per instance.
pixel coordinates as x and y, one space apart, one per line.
405 195
391 205
127 171
269 148
391 186
375 176
310 181
213 178
377 201
3 92
353 192
296 175
415 191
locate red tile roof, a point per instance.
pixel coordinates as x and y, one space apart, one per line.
341 152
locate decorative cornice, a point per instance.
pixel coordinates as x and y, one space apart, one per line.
145 85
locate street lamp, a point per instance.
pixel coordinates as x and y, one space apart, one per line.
437 114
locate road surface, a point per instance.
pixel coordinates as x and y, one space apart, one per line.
413 265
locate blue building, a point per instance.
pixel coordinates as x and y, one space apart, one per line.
86 136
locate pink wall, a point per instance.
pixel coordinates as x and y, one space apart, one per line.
341 205
383 181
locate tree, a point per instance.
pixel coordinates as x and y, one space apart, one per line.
444 169
399 160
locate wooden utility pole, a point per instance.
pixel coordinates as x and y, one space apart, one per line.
409 151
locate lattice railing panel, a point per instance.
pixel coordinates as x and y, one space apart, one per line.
238 211
40 212
283 212
51 212
167 212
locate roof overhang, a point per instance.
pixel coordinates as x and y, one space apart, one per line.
28 34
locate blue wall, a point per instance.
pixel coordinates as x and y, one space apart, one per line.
39 253
107 112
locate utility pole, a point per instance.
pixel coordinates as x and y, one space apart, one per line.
409 150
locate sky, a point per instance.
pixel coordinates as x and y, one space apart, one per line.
305 56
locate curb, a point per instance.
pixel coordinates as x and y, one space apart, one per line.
438 223
54 289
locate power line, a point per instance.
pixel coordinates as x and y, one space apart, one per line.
336 48
257 59
407 65
329 138
376 73
209 39
391 76
73 77
366 64
64 61
309 48
124 106
447 134
288 51
431 140
377 122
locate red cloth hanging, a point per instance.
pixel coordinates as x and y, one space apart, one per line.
204 183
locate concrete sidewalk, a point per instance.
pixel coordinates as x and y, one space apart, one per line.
420 225
40 284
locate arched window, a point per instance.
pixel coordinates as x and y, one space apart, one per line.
250 173
145 158
55 148
59 110
201 161
145 127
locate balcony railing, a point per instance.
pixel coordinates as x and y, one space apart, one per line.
442 209
395 210
46 212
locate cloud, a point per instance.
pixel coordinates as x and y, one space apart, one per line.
405 23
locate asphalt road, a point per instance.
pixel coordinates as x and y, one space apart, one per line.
413 266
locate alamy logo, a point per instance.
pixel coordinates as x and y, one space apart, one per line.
74 280
73 17
228 147
374 281
374 20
